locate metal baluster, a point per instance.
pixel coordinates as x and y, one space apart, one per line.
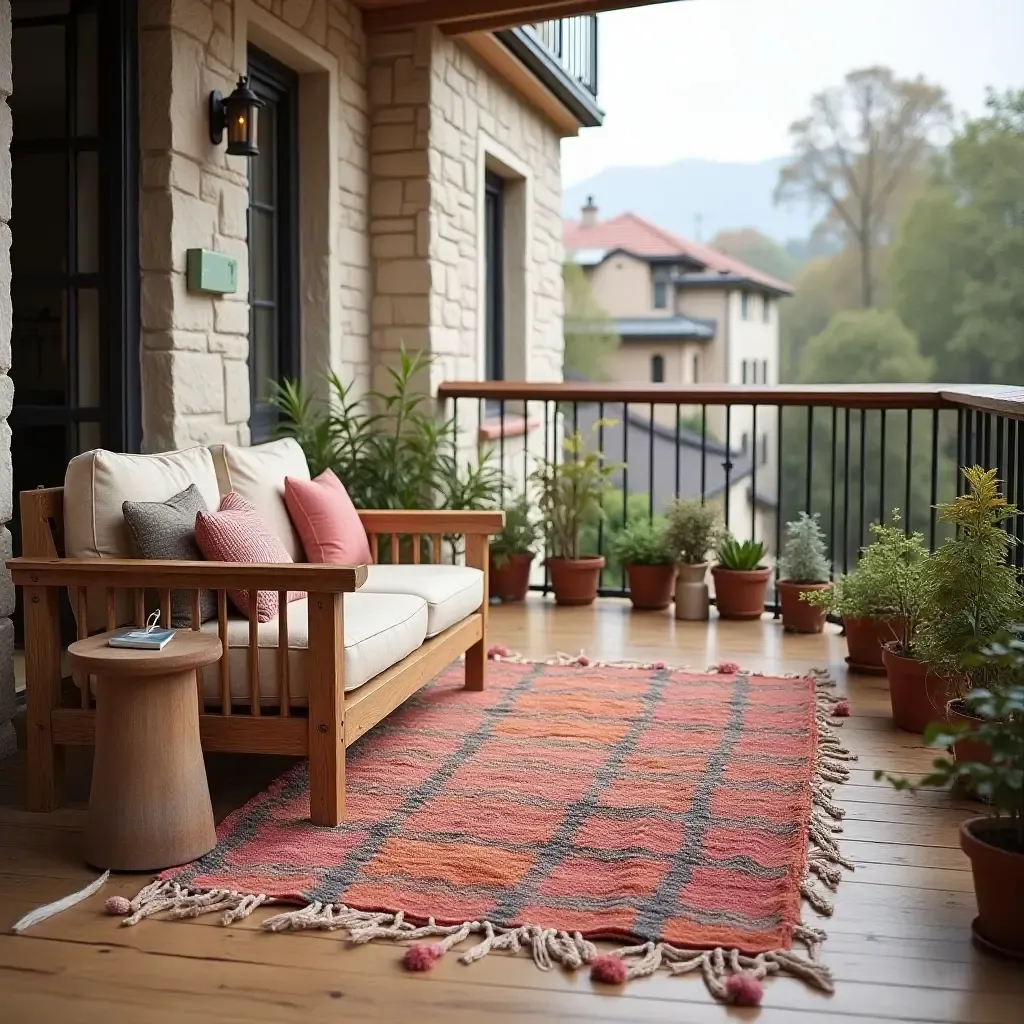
501 437
553 429
934 496
909 469
1019 497
753 473
703 452
678 441
984 458
625 482
727 465
963 446
999 447
526 444
600 448
810 458
881 469
832 494
778 510
863 452
846 490
650 465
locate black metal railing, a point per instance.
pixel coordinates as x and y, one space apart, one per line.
849 454
573 41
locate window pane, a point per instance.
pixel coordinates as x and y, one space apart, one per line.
88 213
89 355
39 216
262 254
261 168
85 96
263 351
38 352
38 99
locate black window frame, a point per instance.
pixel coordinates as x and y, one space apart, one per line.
494 276
277 84
660 296
696 369
657 369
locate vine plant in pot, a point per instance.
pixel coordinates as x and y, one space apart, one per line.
693 530
994 845
741 578
971 592
512 551
650 566
803 569
571 495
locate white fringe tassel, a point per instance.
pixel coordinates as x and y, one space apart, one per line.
41 914
570 950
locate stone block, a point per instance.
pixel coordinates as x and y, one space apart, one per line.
6 67
6 132
392 246
197 381
413 310
231 317
181 341
392 138
232 346
385 198
236 391
403 277
233 210
6 584
410 164
6 308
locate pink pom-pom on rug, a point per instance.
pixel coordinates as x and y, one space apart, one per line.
422 956
744 989
496 651
842 709
117 905
610 969
727 668
583 661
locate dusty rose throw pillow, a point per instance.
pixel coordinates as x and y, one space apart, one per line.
236 533
326 520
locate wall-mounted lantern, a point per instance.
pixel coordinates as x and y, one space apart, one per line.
237 116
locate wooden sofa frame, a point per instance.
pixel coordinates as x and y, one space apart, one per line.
332 719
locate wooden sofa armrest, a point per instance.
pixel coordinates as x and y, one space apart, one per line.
163 574
432 521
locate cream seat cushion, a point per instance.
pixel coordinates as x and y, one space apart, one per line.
257 474
380 630
451 591
95 486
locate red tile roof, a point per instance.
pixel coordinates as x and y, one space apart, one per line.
640 237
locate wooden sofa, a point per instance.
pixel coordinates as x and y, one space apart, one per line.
330 719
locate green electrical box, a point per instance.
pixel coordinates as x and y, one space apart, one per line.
208 271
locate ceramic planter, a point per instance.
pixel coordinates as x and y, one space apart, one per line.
967 750
511 581
864 640
650 586
798 616
917 695
693 602
739 593
997 871
575 580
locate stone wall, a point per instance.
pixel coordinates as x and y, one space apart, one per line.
7 742
195 379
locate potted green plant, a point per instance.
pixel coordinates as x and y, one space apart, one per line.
512 551
970 591
741 578
650 565
995 845
692 532
571 494
804 569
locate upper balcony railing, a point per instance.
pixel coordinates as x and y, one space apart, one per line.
573 42
851 454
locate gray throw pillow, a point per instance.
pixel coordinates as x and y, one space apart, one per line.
167 529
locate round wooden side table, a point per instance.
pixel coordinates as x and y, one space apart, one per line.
149 806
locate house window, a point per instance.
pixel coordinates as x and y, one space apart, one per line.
764 371
658 369
273 238
494 272
744 305
767 309
744 370
764 449
661 295
696 369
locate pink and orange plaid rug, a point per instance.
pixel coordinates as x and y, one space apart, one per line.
683 814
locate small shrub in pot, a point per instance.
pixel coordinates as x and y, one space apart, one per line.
650 566
804 569
741 578
693 530
512 551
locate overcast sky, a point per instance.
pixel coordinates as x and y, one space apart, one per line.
723 79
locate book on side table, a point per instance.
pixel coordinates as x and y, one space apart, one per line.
142 639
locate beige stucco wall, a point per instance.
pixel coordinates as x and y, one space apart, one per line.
623 287
195 383
7 740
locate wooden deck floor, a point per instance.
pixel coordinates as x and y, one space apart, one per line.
899 941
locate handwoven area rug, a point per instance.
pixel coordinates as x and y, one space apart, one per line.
679 814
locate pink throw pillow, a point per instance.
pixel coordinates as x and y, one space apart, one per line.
326 520
236 533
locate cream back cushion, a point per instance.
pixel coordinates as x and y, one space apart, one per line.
95 486
257 474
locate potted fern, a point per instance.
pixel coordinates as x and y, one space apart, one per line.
650 566
741 578
512 551
692 531
803 569
571 496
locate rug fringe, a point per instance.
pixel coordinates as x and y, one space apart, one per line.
571 950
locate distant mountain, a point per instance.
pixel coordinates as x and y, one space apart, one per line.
723 195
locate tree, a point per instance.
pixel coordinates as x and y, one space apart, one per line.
958 266
860 152
758 251
590 334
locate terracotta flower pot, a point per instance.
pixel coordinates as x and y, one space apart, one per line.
864 641
997 871
739 593
511 581
693 603
798 616
967 750
575 580
650 586
917 695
